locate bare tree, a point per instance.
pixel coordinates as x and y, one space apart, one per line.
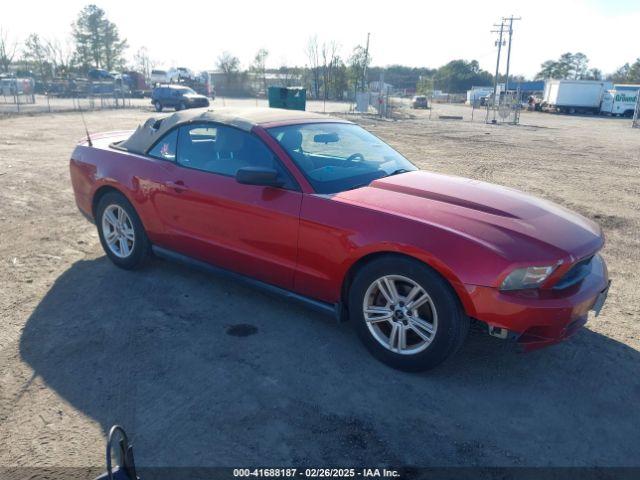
143 63
329 51
289 76
313 56
60 56
8 50
259 66
37 55
229 65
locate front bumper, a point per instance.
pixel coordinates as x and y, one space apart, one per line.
198 103
538 318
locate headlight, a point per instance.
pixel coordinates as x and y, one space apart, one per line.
529 277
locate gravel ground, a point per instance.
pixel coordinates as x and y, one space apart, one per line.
84 345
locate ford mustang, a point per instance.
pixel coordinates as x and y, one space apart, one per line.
323 212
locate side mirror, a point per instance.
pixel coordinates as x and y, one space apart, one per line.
267 177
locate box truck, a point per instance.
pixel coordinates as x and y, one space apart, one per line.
574 96
619 103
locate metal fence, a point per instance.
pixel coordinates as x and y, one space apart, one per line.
505 110
17 104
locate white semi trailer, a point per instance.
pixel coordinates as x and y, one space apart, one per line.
574 96
619 102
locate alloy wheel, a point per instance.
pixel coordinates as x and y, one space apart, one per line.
118 231
400 314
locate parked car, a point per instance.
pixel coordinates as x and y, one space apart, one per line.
97 74
419 101
177 97
323 212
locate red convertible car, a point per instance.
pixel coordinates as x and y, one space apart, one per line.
320 210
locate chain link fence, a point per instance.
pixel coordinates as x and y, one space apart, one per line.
41 103
505 109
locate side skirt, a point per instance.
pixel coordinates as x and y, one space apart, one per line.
317 305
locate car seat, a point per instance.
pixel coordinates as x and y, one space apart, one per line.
292 142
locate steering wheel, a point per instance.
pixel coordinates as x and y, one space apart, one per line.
356 157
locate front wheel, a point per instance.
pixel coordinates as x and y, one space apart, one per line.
158 106
121 233
406 314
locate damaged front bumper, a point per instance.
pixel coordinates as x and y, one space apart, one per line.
539 318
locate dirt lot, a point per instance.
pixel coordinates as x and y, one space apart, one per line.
84 345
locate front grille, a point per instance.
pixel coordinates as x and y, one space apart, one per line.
575 274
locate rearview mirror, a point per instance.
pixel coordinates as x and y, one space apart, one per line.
326 138
267 177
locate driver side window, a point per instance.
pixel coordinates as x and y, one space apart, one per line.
223 150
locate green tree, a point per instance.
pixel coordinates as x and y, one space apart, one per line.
340 78
634 72
424 85
568 66
593 74
401 76
458 76
97 40
620 75
358 63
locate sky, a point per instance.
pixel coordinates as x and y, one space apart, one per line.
415 33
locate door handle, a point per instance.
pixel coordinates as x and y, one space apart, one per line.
178 185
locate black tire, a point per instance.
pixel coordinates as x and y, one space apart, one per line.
452 323
181 106
158 106
141 246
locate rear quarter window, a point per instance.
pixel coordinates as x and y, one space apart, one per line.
165 149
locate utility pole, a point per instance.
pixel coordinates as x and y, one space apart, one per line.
366 62
499 43
511 19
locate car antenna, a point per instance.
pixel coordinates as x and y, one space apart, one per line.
86 129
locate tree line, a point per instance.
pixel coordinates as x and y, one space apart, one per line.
575 66
96 43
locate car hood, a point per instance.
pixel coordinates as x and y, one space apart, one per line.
515 225
194 96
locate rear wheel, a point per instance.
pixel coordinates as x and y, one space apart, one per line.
406 314
121 232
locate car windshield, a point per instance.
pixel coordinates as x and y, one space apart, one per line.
335 157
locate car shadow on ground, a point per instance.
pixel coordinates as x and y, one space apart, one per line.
203 371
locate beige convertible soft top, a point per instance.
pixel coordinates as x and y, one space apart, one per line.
244 118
